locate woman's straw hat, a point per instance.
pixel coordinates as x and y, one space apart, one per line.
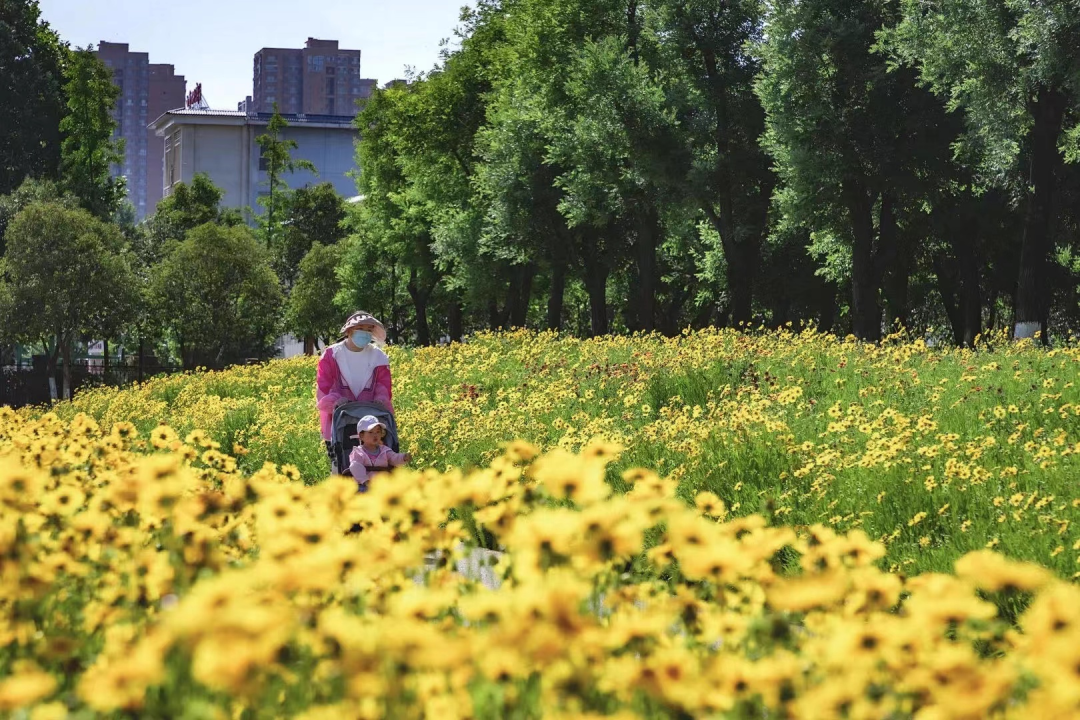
364 318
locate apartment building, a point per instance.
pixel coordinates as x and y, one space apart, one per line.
319 79
146 92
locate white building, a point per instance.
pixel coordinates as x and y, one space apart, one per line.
221 144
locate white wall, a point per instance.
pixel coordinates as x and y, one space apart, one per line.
229 154
331 150
218 152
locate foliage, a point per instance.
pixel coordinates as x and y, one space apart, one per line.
186 208
89 152
1012 67
31 79
29 192
66 275
310 311
217 297
276 152
314 215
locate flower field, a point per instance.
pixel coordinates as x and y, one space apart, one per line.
714 525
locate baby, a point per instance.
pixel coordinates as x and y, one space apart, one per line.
372 456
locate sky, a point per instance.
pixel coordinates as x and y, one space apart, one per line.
214 41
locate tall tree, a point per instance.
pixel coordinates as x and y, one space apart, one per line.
1012 66
188 206
572 64
394 222
849 139
314 214
709 47
89 151
65 275
517 183
624 160
218 297
276 155
31 93
29 192
310 312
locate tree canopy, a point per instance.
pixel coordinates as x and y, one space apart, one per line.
217 297
617 164
89 152
66 275
32 59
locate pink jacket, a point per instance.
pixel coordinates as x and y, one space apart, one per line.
331 389
360 461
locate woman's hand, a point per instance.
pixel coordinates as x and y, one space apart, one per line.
408 458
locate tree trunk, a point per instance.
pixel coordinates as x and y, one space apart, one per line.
455 319
395 322
645 247
970 289
705 316
50 370
494 316
65 351
558 293
893 265
947 288
105 362
1032 293
596 275
522 295
309 345
142 355
740 275
420 302
671 314
865 309
742 260
993 321
827 308
781 310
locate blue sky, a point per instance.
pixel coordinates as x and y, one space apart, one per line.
214 41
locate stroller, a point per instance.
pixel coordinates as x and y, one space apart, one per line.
344 427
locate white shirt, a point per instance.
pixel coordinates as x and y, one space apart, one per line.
357 368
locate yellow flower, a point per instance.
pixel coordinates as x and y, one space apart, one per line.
993 572
710 504
162 437
24 688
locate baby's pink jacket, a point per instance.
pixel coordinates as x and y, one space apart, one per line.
360 461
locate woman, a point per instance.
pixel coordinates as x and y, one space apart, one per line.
353 370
